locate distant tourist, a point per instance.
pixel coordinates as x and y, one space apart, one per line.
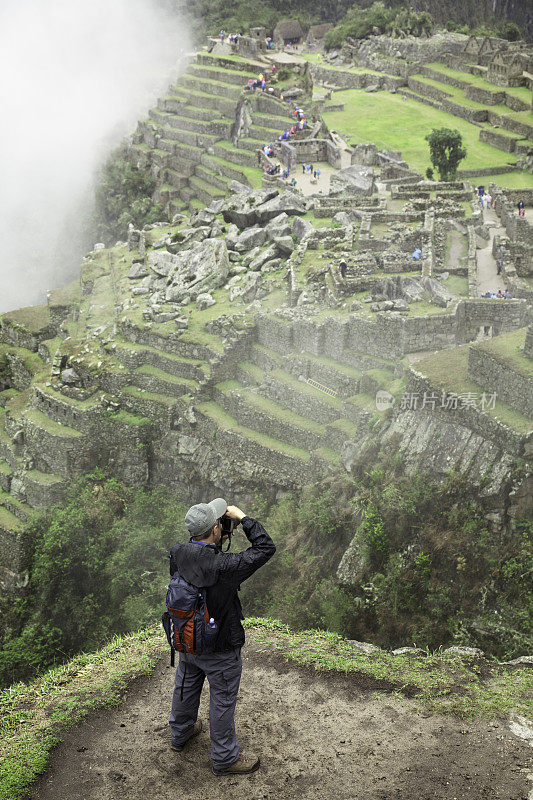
417 255
499 267
521 209
488 200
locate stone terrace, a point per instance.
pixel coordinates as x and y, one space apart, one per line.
284 332
208 131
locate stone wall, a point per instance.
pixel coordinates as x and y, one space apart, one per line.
251 417
345 385
429 332
487 427
485 96
528 344
20 376
500 315
509 123
344 79
310 150
13 334
277 468
274 333
499 140
300 402
494 375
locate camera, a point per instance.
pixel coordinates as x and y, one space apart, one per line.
228 525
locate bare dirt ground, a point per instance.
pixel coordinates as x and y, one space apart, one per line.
319 738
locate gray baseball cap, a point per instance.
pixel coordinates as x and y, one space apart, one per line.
201 517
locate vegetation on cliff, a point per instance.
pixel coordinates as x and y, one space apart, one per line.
423 567
98 565
123 195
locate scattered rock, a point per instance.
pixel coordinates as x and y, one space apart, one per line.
248 289
284 244
204 300
400 305
464 651
187 445
372 88
239 188
202 268
70 376
288 202
409 651
137 271
250 238
266 255
301 227
364 647
524 661
355 179
271 266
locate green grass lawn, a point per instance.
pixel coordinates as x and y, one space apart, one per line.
398 123
510 180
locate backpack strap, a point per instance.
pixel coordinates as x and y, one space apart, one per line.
166 621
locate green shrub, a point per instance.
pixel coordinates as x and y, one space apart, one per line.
99 566
123 195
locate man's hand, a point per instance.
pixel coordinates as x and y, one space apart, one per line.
235 513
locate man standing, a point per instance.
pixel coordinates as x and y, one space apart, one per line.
202 563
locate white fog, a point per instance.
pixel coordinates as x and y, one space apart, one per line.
75 77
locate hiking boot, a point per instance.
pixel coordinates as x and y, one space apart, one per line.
243 766
195 731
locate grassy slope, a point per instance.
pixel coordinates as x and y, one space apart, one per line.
34 716
448 370
398 123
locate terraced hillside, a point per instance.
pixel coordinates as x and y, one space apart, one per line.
267 336
280 366
207 130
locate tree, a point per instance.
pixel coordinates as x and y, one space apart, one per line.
446 151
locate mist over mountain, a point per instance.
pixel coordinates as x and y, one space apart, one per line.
77 76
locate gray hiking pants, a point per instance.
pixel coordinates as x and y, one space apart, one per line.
223 671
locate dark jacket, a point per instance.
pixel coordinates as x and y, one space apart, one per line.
205 565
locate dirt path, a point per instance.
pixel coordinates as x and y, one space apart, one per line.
326 738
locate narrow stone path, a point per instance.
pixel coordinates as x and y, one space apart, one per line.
487 273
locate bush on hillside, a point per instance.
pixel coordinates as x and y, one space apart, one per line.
429 570
360 23
98 566
123 195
